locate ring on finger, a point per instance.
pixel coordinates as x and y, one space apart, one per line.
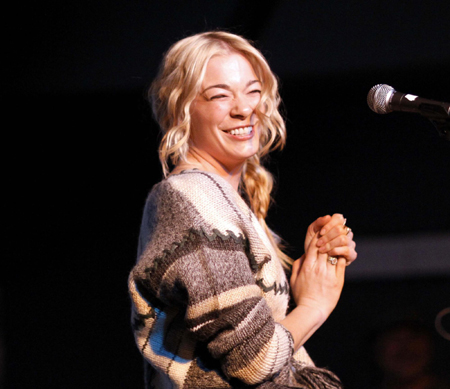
347 230
332 260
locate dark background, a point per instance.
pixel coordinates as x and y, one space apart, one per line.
83 159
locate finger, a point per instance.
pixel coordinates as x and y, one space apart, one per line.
323 259
319 223
349 254
341 242
340 270
295 268
338 241
294 274
335 232
330 260
312 253
336 219
314 228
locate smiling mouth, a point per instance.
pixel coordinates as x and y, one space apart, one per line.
240 131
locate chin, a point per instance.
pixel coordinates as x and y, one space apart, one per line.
240 161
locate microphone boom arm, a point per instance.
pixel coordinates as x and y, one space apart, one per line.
443 127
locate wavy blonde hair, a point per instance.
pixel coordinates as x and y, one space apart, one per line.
178 83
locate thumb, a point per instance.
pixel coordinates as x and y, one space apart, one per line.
319 223
314 227
312 251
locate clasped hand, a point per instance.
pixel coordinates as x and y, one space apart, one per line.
315 281
334 237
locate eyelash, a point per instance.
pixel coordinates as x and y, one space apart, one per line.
220 96
217 97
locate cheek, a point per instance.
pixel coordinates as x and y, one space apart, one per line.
257 138
203 132
207 120
198 121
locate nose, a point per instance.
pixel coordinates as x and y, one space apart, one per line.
241 108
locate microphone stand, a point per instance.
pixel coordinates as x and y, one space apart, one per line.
443 127
439 115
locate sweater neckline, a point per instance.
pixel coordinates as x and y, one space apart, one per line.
215 175
220 179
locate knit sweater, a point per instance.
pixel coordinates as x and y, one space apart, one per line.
208 290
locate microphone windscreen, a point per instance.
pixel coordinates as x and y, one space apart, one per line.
378 98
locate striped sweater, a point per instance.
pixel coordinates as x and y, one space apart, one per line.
208 290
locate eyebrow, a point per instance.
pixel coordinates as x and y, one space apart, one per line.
225 86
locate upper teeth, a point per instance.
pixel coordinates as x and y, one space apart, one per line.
241 131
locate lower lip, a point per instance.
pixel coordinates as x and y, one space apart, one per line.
242 137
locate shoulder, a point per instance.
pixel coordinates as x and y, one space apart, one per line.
192 201
201 185
181 191
202 191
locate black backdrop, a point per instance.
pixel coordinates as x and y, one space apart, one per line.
83 160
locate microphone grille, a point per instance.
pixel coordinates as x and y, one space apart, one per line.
377 98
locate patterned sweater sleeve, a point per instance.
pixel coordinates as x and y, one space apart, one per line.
194 286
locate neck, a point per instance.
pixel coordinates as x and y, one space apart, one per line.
196 160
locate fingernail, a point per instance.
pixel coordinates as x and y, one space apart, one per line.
323 231
320 242
322 249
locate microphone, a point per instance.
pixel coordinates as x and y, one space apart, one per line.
383 99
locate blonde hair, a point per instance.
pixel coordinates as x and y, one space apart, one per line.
177 85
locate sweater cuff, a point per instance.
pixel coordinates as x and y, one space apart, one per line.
290 337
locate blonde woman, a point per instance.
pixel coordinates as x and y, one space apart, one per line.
209 291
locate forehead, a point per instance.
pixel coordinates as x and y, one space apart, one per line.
229 68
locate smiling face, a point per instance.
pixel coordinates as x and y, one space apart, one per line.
224 126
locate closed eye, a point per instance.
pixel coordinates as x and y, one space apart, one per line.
217 97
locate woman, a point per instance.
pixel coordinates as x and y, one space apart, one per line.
209 292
